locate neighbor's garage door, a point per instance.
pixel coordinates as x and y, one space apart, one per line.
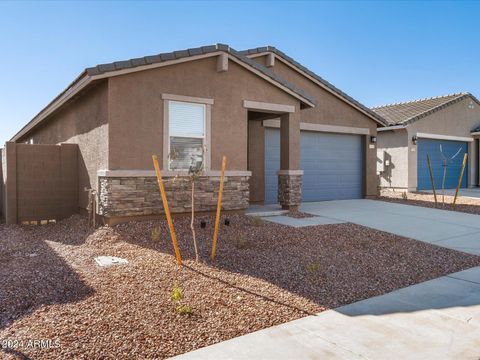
431 147
332 163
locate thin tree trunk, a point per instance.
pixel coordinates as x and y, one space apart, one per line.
443 182
197 258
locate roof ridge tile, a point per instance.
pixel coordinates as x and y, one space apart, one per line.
419 100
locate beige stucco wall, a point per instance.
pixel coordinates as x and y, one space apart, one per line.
330 110
456 120
256 151
393 146
84 122
136 110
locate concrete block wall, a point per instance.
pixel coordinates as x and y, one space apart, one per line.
2 183
41 182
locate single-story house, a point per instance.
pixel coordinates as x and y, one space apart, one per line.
444 128
288 135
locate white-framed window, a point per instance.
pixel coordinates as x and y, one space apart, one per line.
186 135
186 132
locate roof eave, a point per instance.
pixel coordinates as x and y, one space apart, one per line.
71 90
317 79
391 128
428 112
119 68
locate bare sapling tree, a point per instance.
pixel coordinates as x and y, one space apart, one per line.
194 172
445 161
193 157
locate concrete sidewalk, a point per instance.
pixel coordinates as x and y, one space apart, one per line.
450 229
437 319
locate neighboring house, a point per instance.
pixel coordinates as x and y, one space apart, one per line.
279 125
440 127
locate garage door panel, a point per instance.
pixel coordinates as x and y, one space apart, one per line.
431 147
332 163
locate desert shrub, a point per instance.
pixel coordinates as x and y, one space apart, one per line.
156 234
313 267
240 242
177 298
257 221
176 294
184 309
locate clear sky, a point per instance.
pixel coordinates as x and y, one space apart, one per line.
377 52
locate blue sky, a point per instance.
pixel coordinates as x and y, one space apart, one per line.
377 52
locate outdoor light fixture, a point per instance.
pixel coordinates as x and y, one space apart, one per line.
373 139
414 139
227 222
203 224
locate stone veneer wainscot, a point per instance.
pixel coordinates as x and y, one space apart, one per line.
136 196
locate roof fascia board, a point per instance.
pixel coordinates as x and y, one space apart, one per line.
429 112
391 128
67 95
197 57
434 109
88 79
444 137
83 82
155 65
270 80
323 86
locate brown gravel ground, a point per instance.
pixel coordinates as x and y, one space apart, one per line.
266 274
466 205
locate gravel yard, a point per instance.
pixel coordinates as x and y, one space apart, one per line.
265 274
466 205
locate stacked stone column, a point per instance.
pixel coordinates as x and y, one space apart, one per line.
289 176
290 188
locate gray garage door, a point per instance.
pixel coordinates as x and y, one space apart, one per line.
332 164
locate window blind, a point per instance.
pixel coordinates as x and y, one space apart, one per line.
186 119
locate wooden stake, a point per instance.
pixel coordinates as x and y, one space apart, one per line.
432 180
219 207
464 163
167 210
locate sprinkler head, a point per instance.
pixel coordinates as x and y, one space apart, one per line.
227 222
203 224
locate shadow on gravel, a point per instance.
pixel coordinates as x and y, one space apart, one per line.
257 294
33 275
331 265
18 354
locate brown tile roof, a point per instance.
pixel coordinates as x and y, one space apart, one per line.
334 89
407 112
153 59
101 69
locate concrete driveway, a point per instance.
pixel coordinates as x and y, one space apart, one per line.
454 230
437 319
